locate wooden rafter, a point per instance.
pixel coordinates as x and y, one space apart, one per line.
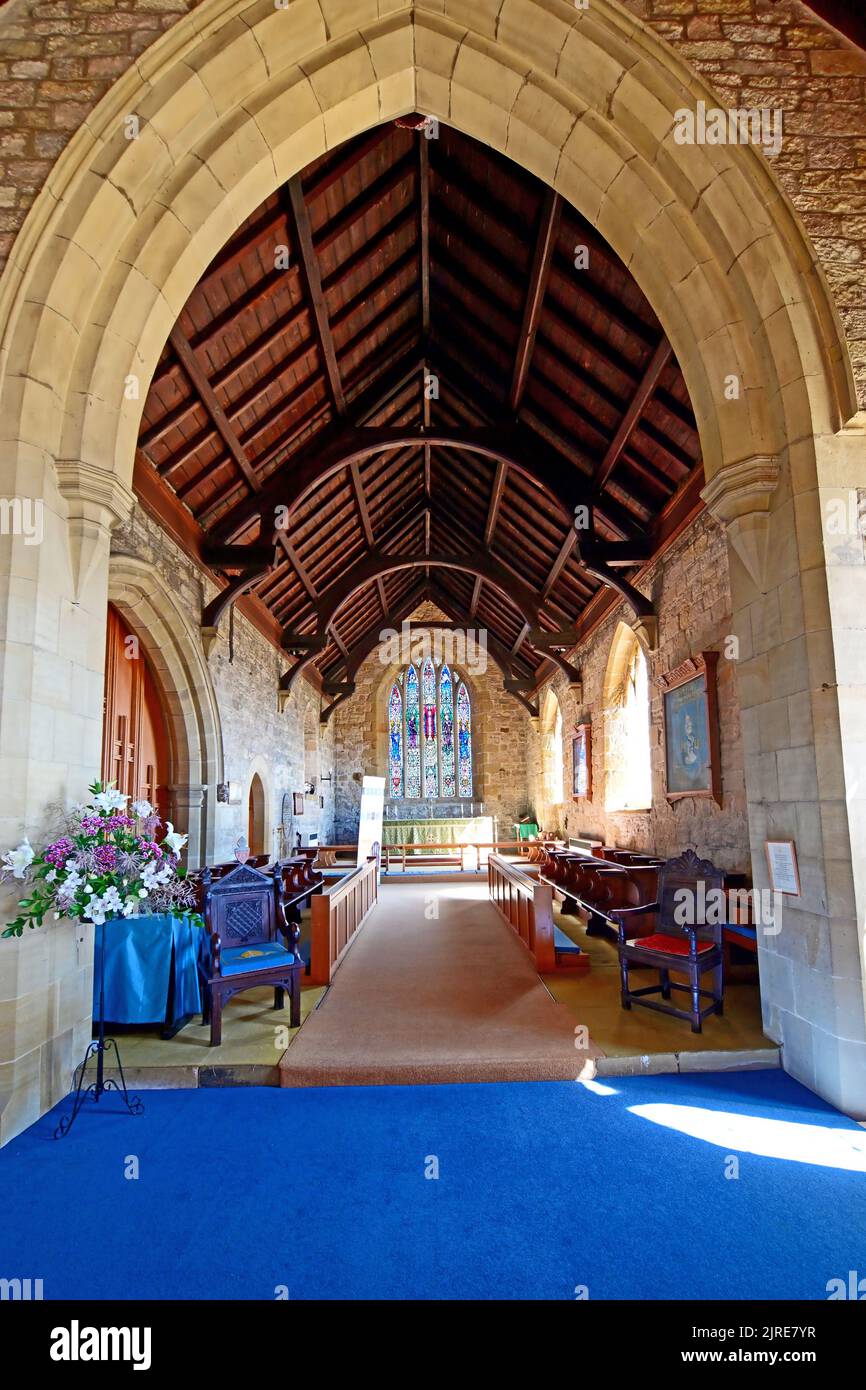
551 209
648 383
546 379
313 279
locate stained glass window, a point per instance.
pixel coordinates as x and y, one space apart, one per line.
413 748
429 735
464 742
431 751
395 742
446 732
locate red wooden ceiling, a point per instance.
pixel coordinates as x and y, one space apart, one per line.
393 255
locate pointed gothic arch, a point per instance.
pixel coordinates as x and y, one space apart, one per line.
192 714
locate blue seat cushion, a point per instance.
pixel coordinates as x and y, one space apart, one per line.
735 929
563 943
237 960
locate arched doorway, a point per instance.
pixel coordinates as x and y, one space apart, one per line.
135 743
176 661
256 829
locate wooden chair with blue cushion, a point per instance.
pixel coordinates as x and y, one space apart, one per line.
655 935
244 917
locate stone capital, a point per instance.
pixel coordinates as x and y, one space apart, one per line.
738 496
646 630
96 502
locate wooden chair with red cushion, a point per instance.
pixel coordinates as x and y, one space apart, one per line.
672 934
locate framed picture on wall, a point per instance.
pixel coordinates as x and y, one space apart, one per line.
298 803
581 762
691 729
782 866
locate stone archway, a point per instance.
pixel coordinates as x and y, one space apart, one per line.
235 99
190 703
112 248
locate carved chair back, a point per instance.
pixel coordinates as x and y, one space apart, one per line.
242 906
688 875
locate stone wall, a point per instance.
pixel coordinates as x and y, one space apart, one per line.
245 670
59 57
500 730
691 590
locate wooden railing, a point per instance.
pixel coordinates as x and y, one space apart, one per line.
337 916
444 852
450 851
527 906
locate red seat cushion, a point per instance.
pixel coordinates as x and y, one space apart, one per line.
669 945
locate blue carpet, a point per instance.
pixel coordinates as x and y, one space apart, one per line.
542 1187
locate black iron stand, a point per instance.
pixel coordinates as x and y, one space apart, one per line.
98 1049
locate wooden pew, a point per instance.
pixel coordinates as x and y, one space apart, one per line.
338 913
527 906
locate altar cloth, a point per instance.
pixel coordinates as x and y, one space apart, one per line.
151 973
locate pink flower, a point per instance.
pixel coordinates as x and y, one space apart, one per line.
105 858
58 853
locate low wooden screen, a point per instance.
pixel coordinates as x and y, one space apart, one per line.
527 906
337 916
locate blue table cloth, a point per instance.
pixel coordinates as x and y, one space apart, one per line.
151 974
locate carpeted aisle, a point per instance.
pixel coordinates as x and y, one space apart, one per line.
542 1187
437 988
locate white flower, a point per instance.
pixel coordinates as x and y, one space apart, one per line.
110 800
111 900
142 809
51 876
174 839
18 861
142 892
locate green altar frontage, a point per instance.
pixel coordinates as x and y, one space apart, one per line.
453 830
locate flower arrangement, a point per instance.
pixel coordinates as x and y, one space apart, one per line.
109 862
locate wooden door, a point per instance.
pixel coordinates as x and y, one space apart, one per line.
134 736
256 816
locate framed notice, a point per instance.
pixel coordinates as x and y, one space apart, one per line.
782 864
298 803
581 762
691 725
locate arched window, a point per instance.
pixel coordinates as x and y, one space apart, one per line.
446 733
429 735
395 741
552 752
627 737
431 747
464 742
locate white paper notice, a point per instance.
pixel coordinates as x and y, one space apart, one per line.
370 824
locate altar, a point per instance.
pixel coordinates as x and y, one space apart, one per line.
439 830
